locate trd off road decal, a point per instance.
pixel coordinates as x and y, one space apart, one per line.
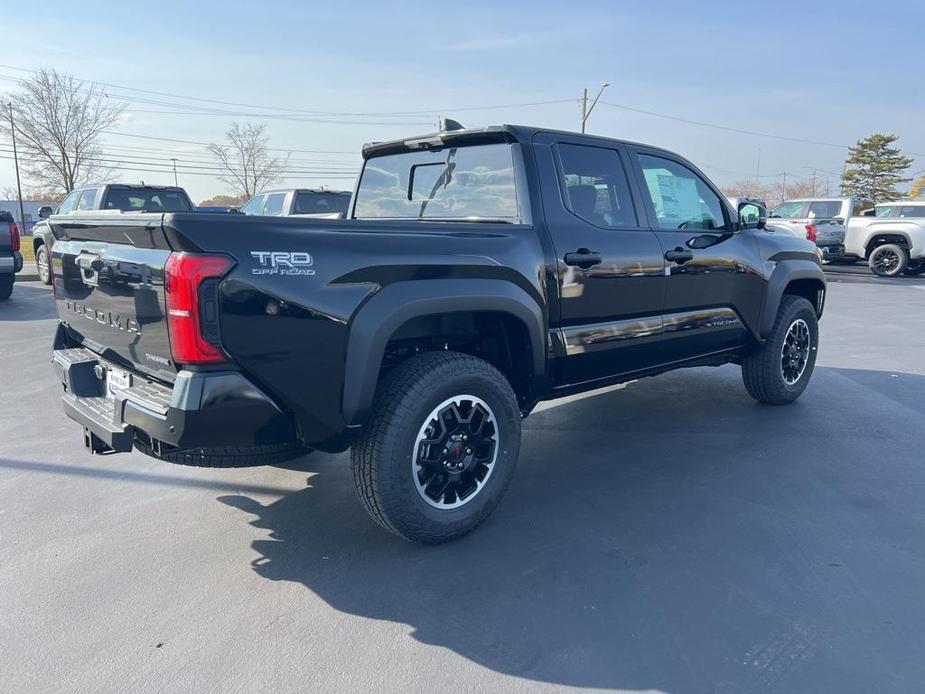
282 263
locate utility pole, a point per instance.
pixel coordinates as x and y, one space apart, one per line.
174 160
22 214
585 109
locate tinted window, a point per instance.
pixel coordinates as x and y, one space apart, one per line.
274 206
594 185
454 183
682 200
321 203
254 205
824 209
142 200
69 202
912 211
87 199
792 209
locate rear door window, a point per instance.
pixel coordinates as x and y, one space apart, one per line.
912 211
824 209
275 204
87 199
594 185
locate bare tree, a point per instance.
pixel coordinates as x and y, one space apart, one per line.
246 159
59 121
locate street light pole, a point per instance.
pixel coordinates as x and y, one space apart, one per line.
22 214
585 109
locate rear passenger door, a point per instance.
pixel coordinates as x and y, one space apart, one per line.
609 264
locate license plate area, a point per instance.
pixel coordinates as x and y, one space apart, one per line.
116 380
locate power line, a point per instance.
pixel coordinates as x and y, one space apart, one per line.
741 131
423 112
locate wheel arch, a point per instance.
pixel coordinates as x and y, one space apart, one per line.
882 238
404 309
797 277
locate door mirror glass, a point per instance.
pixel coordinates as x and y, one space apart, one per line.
752 216
44 212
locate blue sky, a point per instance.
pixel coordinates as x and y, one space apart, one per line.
827 71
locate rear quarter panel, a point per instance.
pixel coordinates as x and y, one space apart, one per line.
289 330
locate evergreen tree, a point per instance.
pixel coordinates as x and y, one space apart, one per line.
875 168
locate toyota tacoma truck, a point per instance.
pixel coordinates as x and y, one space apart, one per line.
478 272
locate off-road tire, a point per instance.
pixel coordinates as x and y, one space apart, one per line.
227 456
42 253
762 370
382 457
900 253
6 286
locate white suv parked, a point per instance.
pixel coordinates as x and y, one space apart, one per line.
891 237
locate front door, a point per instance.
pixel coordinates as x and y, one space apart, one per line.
610 269
713 275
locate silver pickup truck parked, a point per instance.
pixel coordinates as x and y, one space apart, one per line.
821 220
891 237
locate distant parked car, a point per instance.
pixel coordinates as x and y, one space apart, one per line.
10 257
821 220
891 238
299 202
122 197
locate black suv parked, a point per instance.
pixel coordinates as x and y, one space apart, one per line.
478 272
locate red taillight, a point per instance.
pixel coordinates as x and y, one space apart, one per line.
192 321
811 232
14 236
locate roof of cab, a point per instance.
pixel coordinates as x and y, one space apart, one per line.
494 133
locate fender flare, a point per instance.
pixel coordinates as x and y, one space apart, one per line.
786 272
888 231
393 306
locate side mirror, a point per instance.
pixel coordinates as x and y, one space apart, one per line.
45 212
752 215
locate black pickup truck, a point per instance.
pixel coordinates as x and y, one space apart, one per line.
478 273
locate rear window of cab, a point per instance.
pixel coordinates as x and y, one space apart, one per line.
453 183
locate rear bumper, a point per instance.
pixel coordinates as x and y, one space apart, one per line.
201 410
10 264
832 251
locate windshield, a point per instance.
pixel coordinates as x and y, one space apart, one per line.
473 182
146 200
321 203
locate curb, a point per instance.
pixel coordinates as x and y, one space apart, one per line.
27 276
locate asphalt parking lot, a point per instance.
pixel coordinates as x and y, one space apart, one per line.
672 535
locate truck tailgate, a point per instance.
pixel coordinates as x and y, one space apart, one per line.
109 290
